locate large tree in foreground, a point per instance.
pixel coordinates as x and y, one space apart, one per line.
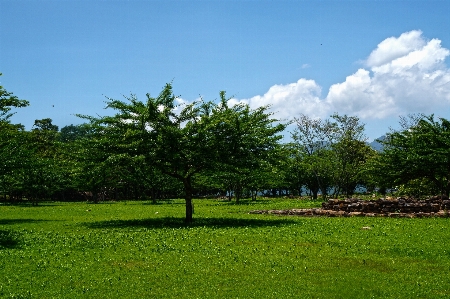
182 141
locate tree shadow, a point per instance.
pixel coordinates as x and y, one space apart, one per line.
18 221
171 222
246 202
9 239
262 201
27 204
163 202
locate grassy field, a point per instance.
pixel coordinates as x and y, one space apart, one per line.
141 250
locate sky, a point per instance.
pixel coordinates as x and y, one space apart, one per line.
376 60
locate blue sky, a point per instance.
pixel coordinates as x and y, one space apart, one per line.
373 59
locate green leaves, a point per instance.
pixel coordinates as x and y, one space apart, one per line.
198 138
330 153
7 102
419 152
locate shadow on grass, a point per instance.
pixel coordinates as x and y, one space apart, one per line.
245 202
163 202
249 202
18 221
171 222
28 204
8 239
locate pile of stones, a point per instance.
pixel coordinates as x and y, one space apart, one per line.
437 206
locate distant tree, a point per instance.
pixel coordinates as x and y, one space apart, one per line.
71 133
312 140
419 154
351 152
45 174
330 154
246 141
241 182
294 171
15 160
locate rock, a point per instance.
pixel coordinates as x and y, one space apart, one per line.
394 215
356 214
390 207
442 213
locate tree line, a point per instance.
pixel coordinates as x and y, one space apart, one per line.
156 149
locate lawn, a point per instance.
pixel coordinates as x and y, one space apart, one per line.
141 250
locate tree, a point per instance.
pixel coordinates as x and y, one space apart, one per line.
7 102
312 139
330 153
71 133
200 138
45 175
15 160
13 154
247 143
351 152
418 154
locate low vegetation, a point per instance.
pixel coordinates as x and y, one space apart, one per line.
143 250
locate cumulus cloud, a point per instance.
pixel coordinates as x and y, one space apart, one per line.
404 74
291 99
393 48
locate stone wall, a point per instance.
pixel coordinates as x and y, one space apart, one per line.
438 206
383 206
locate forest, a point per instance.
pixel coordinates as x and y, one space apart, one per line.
155 149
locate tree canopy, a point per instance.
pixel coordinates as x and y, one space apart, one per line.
420 151
185 141
9 101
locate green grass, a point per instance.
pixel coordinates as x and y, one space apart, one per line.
140 250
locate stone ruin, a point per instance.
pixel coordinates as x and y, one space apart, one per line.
437 206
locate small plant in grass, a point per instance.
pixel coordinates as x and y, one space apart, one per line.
8 239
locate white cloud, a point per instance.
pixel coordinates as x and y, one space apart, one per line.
393 48
291 99
234 101
180 103
405 74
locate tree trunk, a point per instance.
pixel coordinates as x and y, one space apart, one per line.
254 194
324 194
446 191
238 192
188 199
153 195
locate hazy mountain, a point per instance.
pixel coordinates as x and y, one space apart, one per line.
377 145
